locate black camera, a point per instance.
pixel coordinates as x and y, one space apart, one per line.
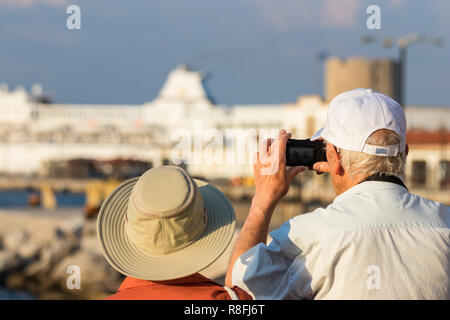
305 152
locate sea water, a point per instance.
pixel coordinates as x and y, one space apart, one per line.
18 199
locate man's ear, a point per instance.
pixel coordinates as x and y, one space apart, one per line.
333 159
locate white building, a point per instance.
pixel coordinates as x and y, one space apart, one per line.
32 133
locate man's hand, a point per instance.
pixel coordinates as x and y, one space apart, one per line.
272 180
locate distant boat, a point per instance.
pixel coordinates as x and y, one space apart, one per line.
34 200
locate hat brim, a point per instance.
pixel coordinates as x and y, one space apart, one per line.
129 260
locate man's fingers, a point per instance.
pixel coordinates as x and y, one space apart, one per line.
292 172
264 150
265 145
283 137
273 151
278 147
256 158
321 167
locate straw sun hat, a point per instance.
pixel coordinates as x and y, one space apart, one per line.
164 225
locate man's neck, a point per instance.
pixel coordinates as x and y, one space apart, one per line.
348 182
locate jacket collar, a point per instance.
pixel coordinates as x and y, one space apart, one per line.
369 186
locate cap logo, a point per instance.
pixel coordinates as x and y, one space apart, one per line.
381 151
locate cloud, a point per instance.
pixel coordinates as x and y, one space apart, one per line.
30 3
340 14
396 3
441 10
298 14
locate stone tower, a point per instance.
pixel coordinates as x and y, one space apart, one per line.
351 73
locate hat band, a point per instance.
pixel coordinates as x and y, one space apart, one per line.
143 245
383 151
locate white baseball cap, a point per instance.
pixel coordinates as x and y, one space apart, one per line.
354 115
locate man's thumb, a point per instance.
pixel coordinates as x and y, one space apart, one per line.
321 167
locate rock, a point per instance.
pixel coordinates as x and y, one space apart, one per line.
50 254
20 242
71 229
29 251
8 261
90 228
40 266
98 279
13 240
15 280
66 240
91 244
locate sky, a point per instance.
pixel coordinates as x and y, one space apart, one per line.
254 51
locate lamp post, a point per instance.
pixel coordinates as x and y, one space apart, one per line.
321 56
402 43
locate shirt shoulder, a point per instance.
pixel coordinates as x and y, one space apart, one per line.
385 208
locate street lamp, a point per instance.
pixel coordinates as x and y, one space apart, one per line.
321 56
402 43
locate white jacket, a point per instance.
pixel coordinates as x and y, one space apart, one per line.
375 241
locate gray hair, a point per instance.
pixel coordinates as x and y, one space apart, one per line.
359 164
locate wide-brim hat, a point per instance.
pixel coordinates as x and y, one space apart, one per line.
129 257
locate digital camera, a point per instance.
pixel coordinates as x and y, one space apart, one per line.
304 152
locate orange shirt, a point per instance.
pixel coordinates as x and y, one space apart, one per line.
194 287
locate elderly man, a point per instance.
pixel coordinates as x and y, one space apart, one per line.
375 241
